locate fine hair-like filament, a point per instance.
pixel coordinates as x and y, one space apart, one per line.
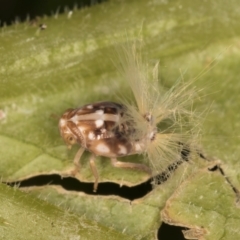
170 112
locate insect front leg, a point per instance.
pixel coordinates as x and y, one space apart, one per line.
94 171
138 166
76 161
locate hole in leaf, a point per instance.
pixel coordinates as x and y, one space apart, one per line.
166 232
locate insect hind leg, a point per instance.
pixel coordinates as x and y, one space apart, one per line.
138 166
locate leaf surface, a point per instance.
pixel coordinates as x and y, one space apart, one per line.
71 63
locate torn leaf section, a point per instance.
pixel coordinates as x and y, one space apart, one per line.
205 203
194 233
131 218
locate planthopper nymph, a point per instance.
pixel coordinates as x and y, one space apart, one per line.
156 123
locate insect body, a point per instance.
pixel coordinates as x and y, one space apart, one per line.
104 129
153 124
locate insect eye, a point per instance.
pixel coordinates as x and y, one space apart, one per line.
71 139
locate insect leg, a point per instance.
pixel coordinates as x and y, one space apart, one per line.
94 171
139 166
76 161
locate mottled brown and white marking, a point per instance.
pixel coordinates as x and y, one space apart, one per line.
103 129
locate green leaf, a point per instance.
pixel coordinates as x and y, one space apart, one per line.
71 63
205 204
24 217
